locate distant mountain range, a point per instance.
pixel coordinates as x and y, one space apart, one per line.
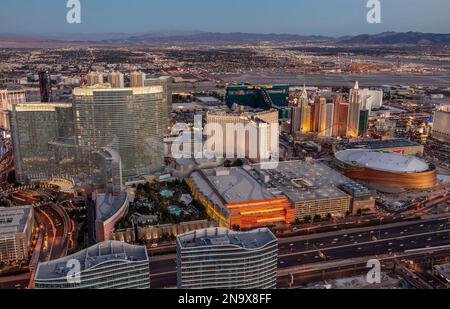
222 38
199 37
388 38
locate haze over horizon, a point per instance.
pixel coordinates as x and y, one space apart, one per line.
302 17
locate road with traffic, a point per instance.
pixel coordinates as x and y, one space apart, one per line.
368 242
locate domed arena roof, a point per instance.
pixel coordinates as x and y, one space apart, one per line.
383 161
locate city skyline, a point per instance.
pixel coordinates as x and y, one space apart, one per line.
257 145
306 18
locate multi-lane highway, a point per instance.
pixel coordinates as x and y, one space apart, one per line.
19 281
399 263
364 242
371 242
56 231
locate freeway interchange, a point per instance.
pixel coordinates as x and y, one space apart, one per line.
55 229
315 255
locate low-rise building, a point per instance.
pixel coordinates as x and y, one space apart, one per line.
16 229
268 194
312 187
109 209
234 199
363 200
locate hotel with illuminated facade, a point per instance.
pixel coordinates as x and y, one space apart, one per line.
235 200
250 133
59 139
332 116
33 127
8 98
441 124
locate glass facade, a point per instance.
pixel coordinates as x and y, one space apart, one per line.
106 265
363 122
110 275
132 121
33 127
204 263
258 96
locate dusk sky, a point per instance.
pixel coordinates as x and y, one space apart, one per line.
322 17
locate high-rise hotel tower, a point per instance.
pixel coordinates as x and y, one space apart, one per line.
219 258
354 111
130 120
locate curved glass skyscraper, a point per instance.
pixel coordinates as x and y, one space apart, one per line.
106 265
130 120
219 258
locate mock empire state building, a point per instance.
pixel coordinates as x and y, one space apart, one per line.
354 112
301 114
305 124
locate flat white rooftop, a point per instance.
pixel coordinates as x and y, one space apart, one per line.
297 180
234 185
13 219
302 181
222 237
91 257
207 99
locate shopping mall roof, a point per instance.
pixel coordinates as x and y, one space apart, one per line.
297 180
91 257
224 237
303 181
230 186
208 99
383 161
